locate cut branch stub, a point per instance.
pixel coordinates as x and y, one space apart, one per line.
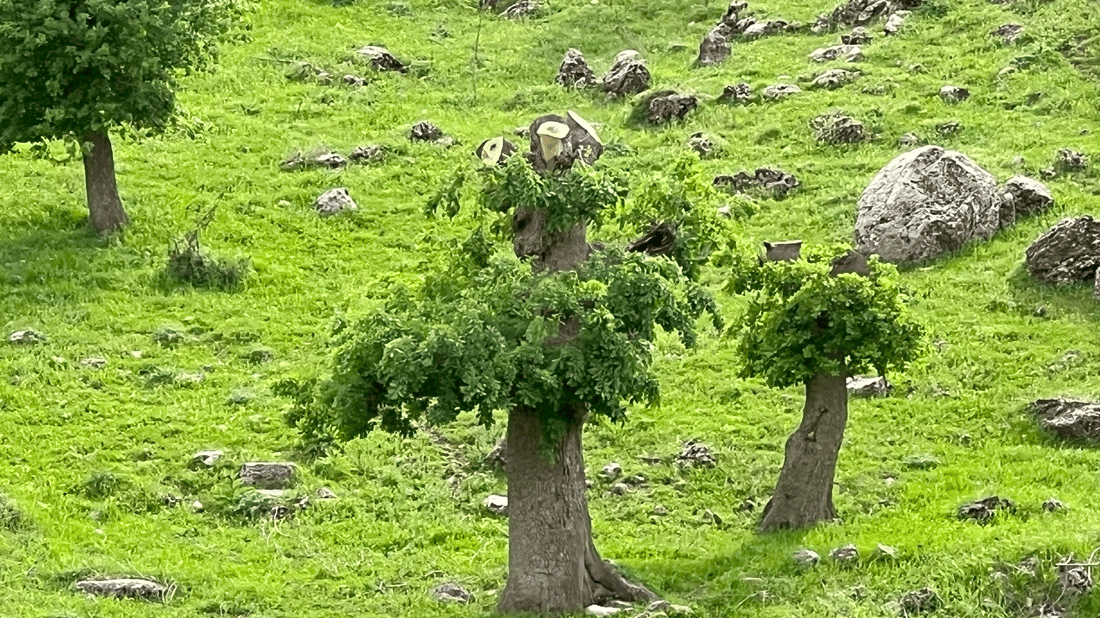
495 151
557 142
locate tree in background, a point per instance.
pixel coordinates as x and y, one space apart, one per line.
79 70
554 332
816 321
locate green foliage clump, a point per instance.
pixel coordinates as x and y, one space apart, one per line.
802 321
67 69
11 518
189 263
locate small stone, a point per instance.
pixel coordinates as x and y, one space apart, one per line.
858 36
136 353
910 140
611 471
451 593
496 504
1008 32
920 601
710 516
836 128
325 493
848 553
948 128
26 337
1053 505
660 605
1075 578
1070 161
954 94
268 475
354 80
206 458
849 53
334 201
574 72
701 144
381 59
619 489
123 588
894 23
367 154
94 362
833 79
600 610
736 94
660 510
884 552
806 557
197 506
985 510
776 92
425 131
680 610
696 454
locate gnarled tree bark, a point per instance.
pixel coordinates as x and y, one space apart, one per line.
105 213
804 494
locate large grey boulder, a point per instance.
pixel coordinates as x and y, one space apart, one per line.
925 203
574 71
627 76
1069 419
715 46
1066 253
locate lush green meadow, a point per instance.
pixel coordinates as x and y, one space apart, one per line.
88 454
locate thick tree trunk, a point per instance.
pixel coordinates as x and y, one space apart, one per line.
553 567
105 212
804 494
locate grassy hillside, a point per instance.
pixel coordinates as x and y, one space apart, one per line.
88 454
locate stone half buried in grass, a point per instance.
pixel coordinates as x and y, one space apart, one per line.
496 504
450 592
987 509
1023 196
26 337
736 94
627 76
371 153
848 53
130 588
875 386
837 128
268 475
1066 253
847 554
574 71
1065 418
381 59
664 106
806 558
776 92
696 454
920 601
334 201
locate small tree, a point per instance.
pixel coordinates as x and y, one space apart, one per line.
78 70
554 332
816 321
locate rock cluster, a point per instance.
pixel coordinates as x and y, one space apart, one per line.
773 181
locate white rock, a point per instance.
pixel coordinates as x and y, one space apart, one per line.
496 504
334 201
600 610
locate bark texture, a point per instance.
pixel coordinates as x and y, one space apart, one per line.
553 566
105 213
804 494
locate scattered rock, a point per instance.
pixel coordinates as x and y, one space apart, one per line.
611 471
701 144
1065 418
876 386
130 588
660 510
1075 578
334 201
696 454
354 80
837 128
910 140
600 610
920 601
496 504
894 23
772 181
26 337
425 131
206 458
93 362
853 13
948 128
806 557
920 462
1053 505
715 47
1008 33
848 553
984 510
619 489
665 106
1022 196
884 552
711 517
776 92
764 28
197 506
849 53
381 58
736 94
660 605
299 161
954 94
680 610
1066 253
574 72
371 153
451 593
1070 161
858 36
268 475
925 203
521 9
834 78
324 493
627 76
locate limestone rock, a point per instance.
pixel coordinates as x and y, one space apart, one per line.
738 94
877 386
425 131
666 106
206 458
764 28
132 588
894 23
984 510
701 144
26 337
806 557
715 46
926 203
521 9
954 94
611 471
919 601
773 181
627 76
1023 196
1067 252
858 36
299 161
910 140
948 128
834 78
776 92
381 58
1053 505
324 493
574 72
451 593
620 489
845 554
334 201
696 454
1070 161
370 153
268 475
1008 33
1066 418
848 53
354 80
854 13
600 610
496 504
837 128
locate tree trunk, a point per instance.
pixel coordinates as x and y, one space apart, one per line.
804 494
553 567
105 212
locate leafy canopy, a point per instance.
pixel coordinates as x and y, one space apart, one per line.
801 321
80 66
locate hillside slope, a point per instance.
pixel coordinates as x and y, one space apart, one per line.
88 454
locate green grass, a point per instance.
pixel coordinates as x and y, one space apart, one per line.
89 454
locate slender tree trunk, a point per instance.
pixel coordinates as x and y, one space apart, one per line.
804 494
553 566
105 212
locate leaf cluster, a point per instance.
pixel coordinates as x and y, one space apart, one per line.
802 321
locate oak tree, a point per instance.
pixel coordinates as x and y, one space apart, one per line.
79 69
815 320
